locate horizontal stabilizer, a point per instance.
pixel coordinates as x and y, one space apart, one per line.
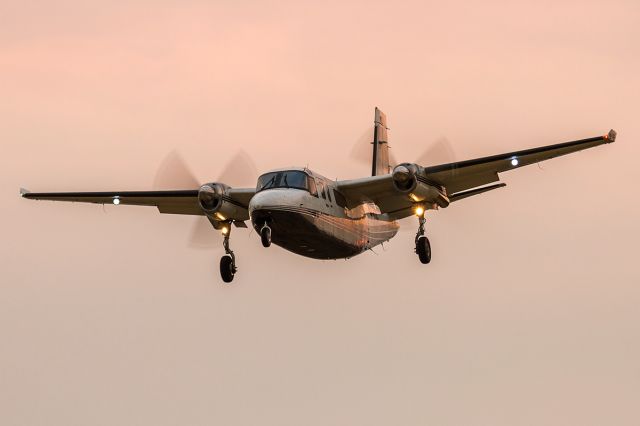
464 194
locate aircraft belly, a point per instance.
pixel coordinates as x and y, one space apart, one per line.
322 236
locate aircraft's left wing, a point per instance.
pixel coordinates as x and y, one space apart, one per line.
375 189
172 202
464 175
445 183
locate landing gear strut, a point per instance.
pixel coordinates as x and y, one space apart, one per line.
228 261
423 247
265 235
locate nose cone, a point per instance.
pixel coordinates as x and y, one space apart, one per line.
262 200
265 203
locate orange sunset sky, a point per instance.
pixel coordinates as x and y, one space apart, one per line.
528 314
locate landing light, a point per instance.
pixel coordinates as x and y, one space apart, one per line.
116 201
220 216
514 162
419 211
225 230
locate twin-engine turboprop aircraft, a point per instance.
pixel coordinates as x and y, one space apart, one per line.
310 215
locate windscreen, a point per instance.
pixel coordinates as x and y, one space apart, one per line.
287 179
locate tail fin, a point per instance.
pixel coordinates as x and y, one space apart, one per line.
380 164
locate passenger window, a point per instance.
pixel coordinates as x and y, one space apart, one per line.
340 200
321 189
312 186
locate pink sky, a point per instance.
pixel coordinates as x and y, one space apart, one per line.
528 313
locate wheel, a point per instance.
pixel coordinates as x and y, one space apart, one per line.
227 270
423 248
265 236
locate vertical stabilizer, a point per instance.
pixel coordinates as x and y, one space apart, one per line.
380 164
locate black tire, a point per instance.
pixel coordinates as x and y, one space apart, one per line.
226 269
423 248
265 236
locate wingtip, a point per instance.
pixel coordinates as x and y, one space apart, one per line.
24 192
611 136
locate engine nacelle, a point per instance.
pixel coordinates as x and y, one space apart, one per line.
406 179
213 200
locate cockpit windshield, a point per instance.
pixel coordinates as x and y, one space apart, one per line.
286 179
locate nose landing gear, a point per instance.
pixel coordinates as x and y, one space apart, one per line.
423 247
228 262
265 235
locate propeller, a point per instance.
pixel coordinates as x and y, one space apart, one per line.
362 149
174 173
439 152
240 171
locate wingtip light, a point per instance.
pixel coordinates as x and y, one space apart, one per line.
611 136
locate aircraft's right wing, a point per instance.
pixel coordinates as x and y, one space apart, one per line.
172 202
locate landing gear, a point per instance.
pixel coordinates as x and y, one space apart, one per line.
265 235
423 247
227 268
228 261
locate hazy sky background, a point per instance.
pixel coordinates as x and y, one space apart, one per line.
528 314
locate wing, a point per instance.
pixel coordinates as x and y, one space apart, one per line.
463 175
376 189
458 180
171 202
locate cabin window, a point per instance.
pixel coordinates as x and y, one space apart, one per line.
340 200
312 186
321 189
287 179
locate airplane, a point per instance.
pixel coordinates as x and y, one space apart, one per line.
310 215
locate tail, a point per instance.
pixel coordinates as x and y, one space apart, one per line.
380 164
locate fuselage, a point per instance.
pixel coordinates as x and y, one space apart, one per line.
311 218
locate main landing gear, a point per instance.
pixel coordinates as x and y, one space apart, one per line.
228 261
423 247
228 266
